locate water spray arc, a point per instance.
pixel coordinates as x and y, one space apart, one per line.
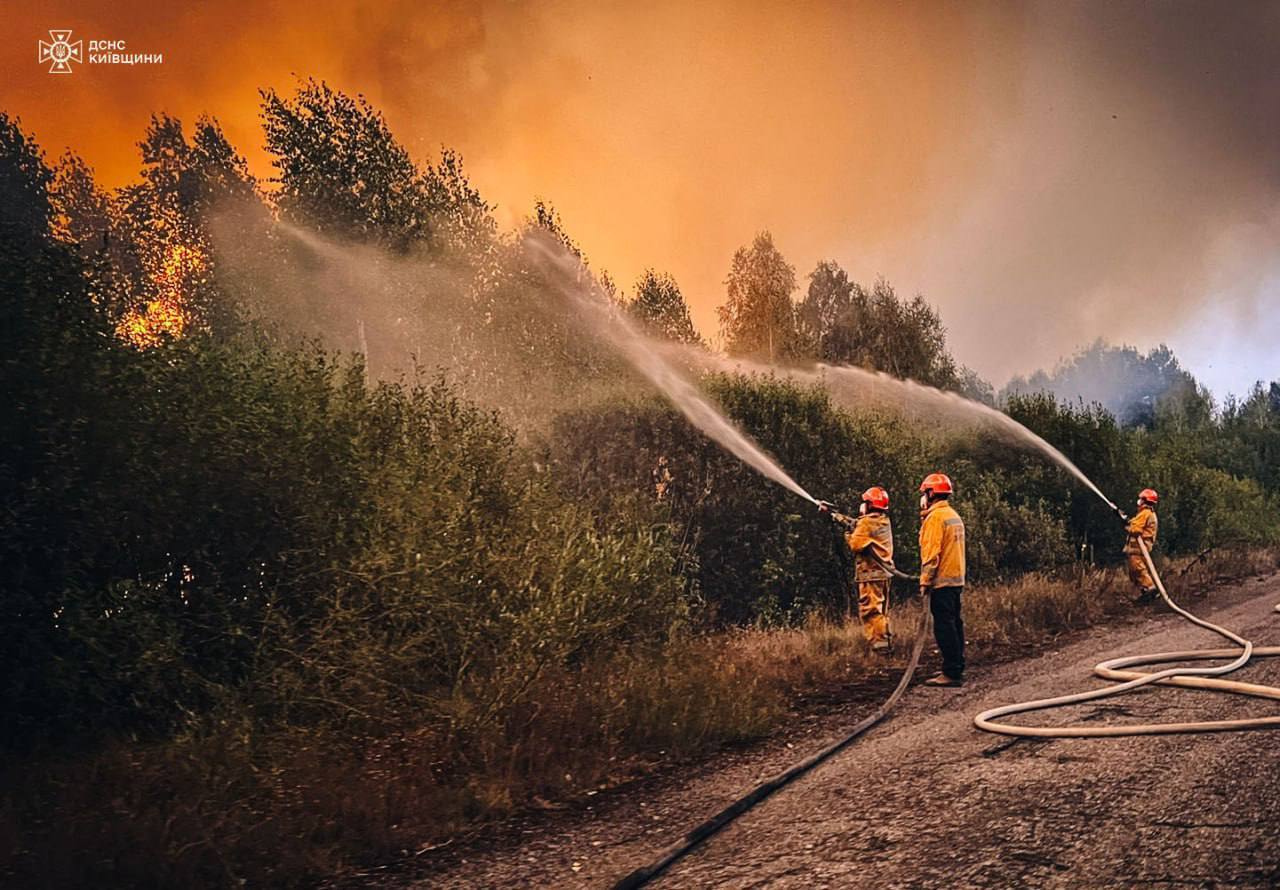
950 401
855 386
648 358
609 324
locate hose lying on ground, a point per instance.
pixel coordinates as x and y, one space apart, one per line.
646 873
1116 669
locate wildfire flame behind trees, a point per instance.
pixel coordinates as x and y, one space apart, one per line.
146 246
343 174
172 278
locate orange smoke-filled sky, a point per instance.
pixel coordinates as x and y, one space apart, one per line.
1044 173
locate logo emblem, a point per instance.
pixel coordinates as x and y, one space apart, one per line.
61 53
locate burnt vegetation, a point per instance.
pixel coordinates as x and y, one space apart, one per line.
293 577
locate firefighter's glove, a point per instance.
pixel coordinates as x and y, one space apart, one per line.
836 516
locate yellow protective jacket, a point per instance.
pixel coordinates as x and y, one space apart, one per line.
871 537
941 547
1144 525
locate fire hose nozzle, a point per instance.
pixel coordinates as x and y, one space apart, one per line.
836 516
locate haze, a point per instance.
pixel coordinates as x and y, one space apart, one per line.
1045 173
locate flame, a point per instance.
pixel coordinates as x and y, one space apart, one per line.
168 314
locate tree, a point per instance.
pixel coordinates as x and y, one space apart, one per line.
342 172
547 218
973 387
758 318
161 233
56 432
220 175
81 210
463 219
662 309
1250 445
843 322
826 315
905 338
24 185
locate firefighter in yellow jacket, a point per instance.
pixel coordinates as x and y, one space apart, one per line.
942 574
1143 526
871 540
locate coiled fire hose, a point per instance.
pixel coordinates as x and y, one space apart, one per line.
1113 669
1117 669
667 857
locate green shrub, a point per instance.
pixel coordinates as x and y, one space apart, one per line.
755 551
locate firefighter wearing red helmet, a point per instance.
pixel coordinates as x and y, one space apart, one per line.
1143 526
871 540
942 574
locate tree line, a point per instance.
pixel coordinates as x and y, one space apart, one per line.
229 493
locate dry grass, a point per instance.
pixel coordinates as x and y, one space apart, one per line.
1038 607
232 807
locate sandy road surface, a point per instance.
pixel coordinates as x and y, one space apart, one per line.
928 801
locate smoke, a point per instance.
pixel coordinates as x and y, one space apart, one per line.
667 134
1133 194
1045 173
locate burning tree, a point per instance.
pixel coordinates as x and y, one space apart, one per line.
174 271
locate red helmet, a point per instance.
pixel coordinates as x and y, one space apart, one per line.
1149 495
936 483
877 497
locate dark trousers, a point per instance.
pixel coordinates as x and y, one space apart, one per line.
948 629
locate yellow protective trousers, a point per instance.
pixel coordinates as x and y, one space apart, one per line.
1138 572
873 601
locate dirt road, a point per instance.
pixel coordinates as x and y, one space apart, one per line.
928 801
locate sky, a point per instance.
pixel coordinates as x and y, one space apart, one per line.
1044 173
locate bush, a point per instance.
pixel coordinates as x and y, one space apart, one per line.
275 529
755 551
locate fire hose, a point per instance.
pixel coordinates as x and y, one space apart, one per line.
1117 669
1112 669
702 832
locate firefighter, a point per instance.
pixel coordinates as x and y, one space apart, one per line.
942 574
871 540
1142 526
